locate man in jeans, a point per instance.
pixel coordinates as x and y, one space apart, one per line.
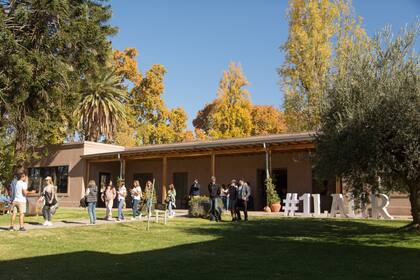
19 192
214 192
244 192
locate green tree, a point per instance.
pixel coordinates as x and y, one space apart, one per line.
101 109
46 49
371 120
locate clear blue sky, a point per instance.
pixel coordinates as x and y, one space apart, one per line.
196 40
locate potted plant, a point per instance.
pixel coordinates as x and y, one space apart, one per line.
273 199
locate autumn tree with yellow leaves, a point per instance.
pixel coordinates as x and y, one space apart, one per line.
307 62
266 119
232 114
311 56
151 122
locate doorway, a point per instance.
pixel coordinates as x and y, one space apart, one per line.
143 178
279 177
180 181
104 179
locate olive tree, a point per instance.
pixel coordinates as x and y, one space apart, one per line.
370 127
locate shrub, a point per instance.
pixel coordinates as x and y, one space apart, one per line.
272 196
199 206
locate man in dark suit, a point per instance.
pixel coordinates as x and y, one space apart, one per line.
244 192
214 193
233 199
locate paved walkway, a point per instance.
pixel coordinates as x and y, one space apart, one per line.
62 223
179 213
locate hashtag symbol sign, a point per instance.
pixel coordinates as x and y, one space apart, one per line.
291 204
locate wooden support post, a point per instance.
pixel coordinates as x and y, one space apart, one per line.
164 181
213 164
86 181
338 188
122 169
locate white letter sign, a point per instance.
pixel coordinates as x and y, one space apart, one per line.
380 210
337 205
306 198
290 204
317 204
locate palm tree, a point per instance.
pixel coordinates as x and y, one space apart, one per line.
102 106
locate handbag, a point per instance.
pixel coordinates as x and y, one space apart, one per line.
83 202
54 208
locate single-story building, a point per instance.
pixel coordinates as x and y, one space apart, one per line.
286 156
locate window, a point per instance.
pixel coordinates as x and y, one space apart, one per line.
59 175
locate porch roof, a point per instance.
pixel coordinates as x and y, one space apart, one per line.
284 142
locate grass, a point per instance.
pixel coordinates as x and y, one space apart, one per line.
263 248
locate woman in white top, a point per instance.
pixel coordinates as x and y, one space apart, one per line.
122 193
137 195
49 196
170 200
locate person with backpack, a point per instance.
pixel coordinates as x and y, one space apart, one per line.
122 193
91 200
49 197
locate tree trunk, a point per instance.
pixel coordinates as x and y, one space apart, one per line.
20 145
415 204
19 153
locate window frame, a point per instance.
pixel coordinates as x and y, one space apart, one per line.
39 189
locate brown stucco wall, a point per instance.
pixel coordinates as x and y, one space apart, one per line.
97 148
112 167
399 204
196 167
299 171
67 155
227 167
145 166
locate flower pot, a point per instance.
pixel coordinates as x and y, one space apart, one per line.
275 207
267 209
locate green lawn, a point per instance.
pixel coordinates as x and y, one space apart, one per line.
263 248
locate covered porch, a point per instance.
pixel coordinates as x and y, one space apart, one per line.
286 159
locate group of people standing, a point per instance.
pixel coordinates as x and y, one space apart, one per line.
235 198
18 194
110 193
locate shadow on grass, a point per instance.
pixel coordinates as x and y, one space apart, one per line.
262 249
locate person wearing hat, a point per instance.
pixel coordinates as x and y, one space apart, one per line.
49 196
